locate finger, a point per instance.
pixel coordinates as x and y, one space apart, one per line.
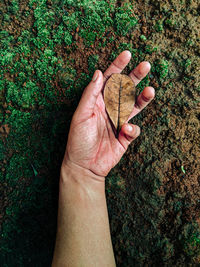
142 101
140 72
89 97
128 133
118 64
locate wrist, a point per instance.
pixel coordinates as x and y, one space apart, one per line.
75 176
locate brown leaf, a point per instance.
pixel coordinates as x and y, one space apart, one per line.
119 98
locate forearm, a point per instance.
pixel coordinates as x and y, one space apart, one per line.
83 233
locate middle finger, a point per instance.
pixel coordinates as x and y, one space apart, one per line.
118 64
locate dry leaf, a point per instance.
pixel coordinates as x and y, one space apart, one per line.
119 98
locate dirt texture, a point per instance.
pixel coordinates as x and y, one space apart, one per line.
49 52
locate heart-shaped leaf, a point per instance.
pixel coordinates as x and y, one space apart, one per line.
119 98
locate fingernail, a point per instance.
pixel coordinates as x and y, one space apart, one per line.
95 76
129 128
149 64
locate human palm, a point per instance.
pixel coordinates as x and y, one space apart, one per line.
92 143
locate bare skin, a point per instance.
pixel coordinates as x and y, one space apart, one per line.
83 235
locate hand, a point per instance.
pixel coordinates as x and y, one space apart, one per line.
92 144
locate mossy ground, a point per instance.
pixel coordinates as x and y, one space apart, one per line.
49 51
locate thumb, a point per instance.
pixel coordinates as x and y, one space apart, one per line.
128 133
90 94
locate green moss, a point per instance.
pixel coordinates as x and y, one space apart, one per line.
143 37
121 47
111 39
2 157
89 37
145 82
71 22
92 21
19 166
24 97
6 17
6 40
81 83
159 26
150 49
171 22
7 58
187 63
13 8
189 43
20 122
92 63
191 240
44 20
25 92
124 20
67 77
161 68
67 38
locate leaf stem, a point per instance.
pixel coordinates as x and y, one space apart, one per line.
119 104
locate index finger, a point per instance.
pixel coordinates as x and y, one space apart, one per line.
118 64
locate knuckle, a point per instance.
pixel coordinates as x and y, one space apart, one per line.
137 74
146 99
138 105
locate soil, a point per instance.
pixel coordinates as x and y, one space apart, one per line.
153 193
